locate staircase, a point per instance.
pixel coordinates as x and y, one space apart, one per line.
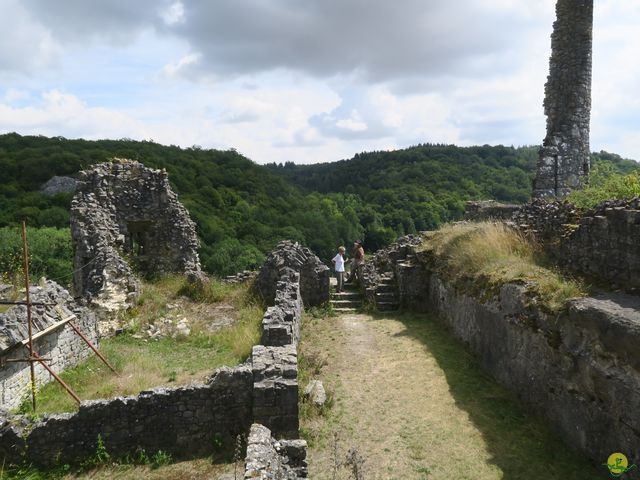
387 294
347 301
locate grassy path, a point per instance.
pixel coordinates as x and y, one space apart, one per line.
412 402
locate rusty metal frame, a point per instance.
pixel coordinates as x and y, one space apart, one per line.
28 343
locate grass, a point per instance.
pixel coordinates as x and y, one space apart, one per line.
310 366
520 442
145 363
416 405
484 256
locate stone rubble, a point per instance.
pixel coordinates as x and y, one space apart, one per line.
488 210
315 392
241 277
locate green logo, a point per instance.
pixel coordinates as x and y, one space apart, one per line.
618 464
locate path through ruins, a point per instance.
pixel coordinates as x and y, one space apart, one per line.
414 405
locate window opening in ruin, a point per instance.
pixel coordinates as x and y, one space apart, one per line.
137 243
138 231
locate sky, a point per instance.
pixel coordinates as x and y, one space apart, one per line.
305 81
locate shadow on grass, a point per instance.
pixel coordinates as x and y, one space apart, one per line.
522 445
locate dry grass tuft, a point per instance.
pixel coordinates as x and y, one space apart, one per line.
486 255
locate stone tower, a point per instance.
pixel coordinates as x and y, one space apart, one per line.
565 156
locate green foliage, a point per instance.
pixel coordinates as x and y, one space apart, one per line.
160 459
50 254
99 458
606 184
243 209
211 292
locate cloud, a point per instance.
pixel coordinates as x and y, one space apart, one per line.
15 95
25 45
58 112
305 81
378 41
178 68
79 21
174 14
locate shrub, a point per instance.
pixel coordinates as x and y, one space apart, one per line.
606 184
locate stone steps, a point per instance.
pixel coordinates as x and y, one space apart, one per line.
346 296
386 294
347 301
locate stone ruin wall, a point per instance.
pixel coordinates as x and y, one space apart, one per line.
488 210
184 420
268 458
580 369
124 212
564 160
61 345
601 244
314 275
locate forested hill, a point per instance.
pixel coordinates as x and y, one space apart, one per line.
418 188
242 209
423 186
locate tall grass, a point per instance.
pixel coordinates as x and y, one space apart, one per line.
486 255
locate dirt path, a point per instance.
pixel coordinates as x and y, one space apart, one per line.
404 396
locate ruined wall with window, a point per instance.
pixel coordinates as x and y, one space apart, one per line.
124 219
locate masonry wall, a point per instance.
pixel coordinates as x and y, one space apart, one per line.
606 245
275 362
62 346
601 243
582 371
314 275
184 420
124 212
268 458
181 421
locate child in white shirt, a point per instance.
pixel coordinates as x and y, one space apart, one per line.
338 265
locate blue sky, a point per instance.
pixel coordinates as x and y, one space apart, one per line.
312 81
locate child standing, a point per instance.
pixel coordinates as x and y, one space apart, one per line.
338 265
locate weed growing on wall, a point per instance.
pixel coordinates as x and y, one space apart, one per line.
481 257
